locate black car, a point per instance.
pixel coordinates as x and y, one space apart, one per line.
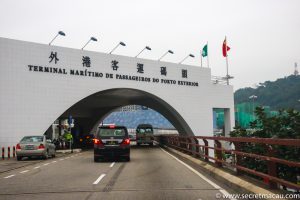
112 142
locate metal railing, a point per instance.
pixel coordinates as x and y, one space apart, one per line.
215 153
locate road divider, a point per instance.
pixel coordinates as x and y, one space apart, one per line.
3 151
8 152
14 151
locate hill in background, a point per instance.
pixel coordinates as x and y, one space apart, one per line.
283 93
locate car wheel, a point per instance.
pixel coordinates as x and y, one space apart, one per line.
53 156
138 144
128 158
96 159
19 158
151 144
45 157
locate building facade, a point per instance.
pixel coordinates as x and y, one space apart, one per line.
40 84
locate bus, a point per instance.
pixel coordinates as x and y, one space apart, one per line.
144 134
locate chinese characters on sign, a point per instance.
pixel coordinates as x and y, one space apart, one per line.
114 65
140 68
86 61
163 71
53 56
184 73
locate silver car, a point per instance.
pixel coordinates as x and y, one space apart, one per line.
35 146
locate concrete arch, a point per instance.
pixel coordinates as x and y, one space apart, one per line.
35 91
92 109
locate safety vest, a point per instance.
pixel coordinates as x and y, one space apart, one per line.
69 136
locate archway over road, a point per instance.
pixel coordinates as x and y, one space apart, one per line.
91 110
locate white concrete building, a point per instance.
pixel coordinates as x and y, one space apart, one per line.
41 83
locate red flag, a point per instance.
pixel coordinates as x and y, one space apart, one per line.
225 48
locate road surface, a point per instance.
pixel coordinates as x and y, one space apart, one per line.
152 173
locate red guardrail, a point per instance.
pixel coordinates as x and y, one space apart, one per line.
192 145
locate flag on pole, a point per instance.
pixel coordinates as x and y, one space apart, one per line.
204 51
225 48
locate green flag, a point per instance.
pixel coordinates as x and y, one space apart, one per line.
204 51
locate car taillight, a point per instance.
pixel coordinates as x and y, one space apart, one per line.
112 126
18 147
126 141
41 146
98 142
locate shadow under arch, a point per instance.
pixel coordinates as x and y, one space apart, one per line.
91 110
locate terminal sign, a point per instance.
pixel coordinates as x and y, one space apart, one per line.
87 63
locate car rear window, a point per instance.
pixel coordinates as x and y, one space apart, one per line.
32 139
145 130
111 132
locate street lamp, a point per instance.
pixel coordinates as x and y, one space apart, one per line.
253 97
120 43
169 51
190 55
91 39
146 47
59 33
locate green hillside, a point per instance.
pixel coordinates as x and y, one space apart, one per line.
283 93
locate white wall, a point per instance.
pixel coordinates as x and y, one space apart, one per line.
31 101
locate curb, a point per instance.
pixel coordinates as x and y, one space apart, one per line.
232 181
68 151
61 152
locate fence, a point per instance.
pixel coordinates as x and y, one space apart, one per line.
8 152
192 146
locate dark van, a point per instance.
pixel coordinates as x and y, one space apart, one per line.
144 134
113 142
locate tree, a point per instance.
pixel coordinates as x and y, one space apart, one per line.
285 125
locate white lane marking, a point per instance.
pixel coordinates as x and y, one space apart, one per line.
54 161
46 164
112 164
10 176
22 172
199 174
99 179
61 159
67 157
37 167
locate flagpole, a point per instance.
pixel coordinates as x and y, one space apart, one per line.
201 57
207 55
226 61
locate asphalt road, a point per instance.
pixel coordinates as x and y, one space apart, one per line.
152 173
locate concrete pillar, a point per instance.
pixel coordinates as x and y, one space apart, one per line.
228 121
59 127
53 131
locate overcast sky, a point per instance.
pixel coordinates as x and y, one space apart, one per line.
264 35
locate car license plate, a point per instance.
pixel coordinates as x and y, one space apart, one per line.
111 142
29 147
